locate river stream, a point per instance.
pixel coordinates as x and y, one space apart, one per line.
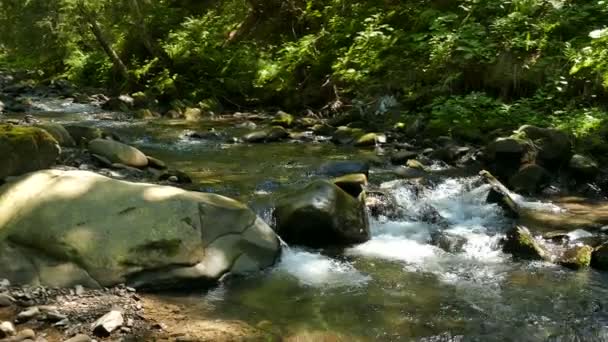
395 287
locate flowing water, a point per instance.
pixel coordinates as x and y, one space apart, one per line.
395 287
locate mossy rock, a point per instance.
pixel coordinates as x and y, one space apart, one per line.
60 133
577 257
323 129
416 165
146 114
346 135
26 149
84 134
530 179
283 119
368 140
193 114
272 134
522 245
306 122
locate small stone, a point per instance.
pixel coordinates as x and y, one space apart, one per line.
6 300
156 163
109 322
28 314
4 283
7 329
62 323
79 290
25 334
79 338
173 179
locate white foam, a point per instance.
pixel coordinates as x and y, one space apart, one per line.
314 269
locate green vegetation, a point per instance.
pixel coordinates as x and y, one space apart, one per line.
465 66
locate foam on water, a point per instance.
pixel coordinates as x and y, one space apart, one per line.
314 269
461 202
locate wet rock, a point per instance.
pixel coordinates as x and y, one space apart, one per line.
146 114
283 119
277 133
323 129
193 114
554 147
79 338
61 135
7 329
122 103
416 165
521 244
505 156
447 241
353 184
321 215
577 257
341 168
103 161
247 124
344 135
381 203
306 122
117 152
530 179
127 239
273 134
175 176
108 323
401 157
599 257
156 163
28 314
84 134
25 149
209 135
370 139
583 167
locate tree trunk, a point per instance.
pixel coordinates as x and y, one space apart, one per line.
119 65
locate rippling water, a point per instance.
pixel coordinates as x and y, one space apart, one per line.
395 287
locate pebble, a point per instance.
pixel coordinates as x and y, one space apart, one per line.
28 314
109 322
6 300
7 329
79 290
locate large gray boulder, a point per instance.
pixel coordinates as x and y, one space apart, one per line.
25 149
322 214
62 228
117 152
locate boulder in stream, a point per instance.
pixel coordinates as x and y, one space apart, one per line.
522 245
577 257
59 133
322 215
100 232
84 134
25 149
117 152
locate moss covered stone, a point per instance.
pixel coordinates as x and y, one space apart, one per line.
354 184
522 245
25 149
59 133
283 119
577 257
